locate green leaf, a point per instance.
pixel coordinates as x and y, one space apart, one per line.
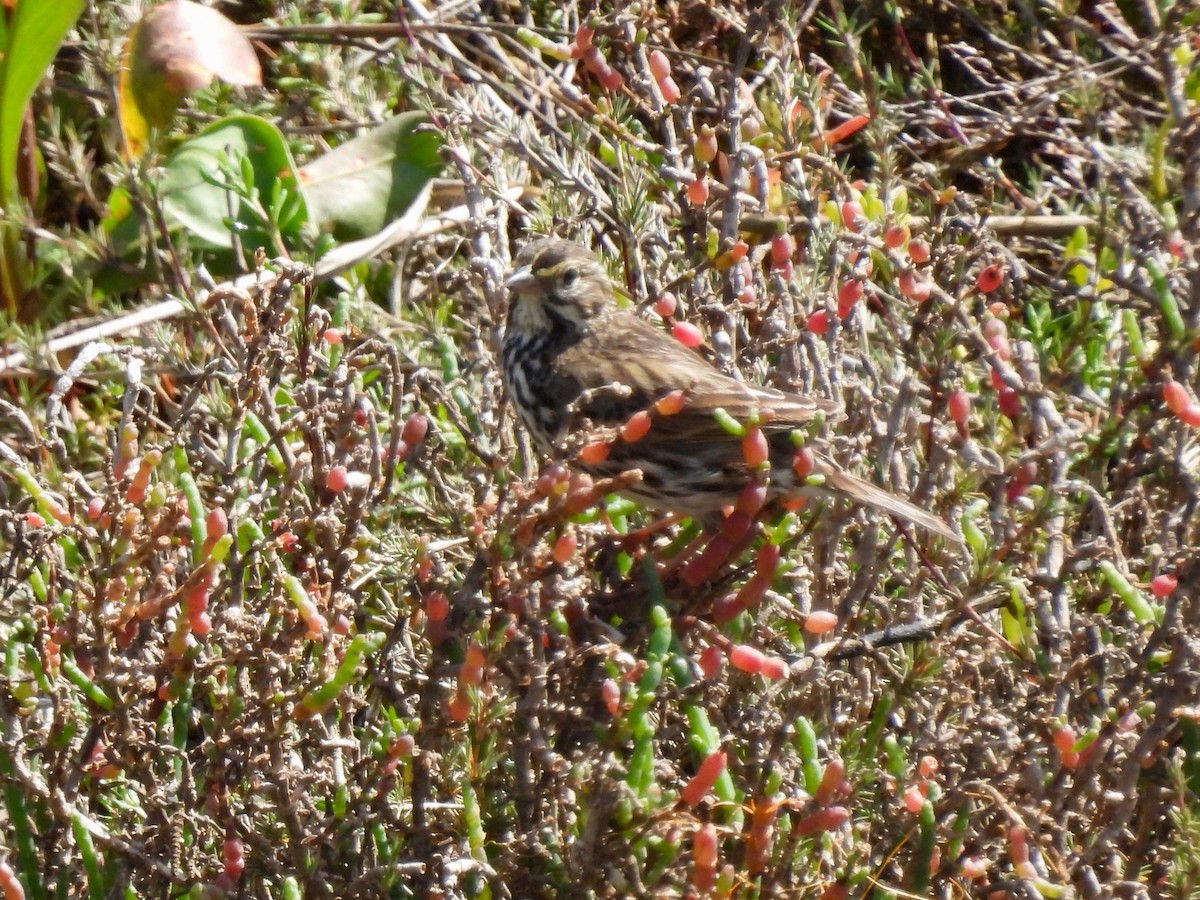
34 33
200 176
239 165
358 188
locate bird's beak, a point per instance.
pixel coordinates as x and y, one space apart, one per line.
521 280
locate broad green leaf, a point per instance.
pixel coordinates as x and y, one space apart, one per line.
203 173
361 186
34 33
239 164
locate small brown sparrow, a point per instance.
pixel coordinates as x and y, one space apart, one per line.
576 362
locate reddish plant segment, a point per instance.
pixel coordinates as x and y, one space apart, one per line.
1180 402
687 334
636 427
755 450
989 278
704 858
1162 586
706 776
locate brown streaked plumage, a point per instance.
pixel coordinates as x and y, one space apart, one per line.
574 360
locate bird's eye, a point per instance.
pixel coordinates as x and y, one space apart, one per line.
569 277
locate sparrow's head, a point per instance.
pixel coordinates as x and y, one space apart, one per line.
556 284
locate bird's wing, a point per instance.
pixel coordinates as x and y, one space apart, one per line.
627 351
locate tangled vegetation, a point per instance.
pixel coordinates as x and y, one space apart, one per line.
291 608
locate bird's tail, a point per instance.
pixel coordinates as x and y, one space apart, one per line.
842 484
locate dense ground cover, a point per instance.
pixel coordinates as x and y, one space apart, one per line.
291 608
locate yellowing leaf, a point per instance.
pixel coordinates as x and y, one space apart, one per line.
176 49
